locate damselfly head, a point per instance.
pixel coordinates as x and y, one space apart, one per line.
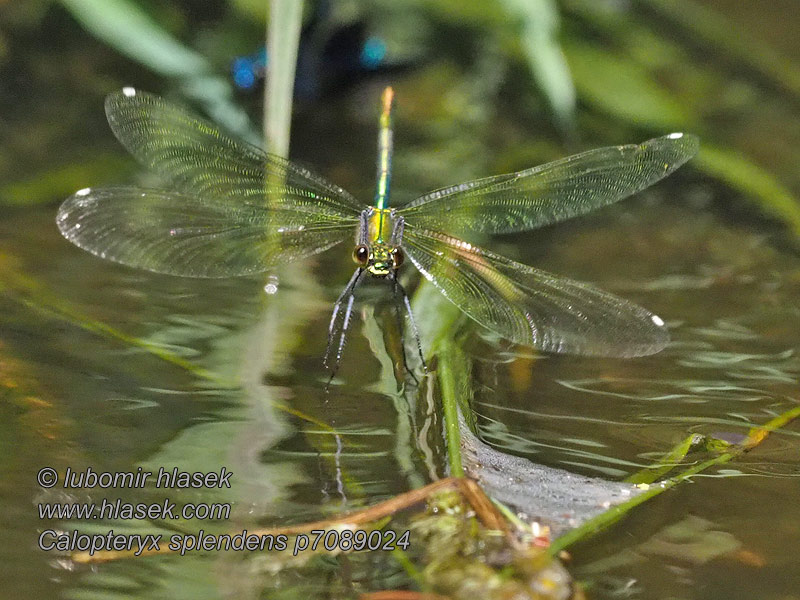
379 259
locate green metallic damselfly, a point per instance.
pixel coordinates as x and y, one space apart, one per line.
235 210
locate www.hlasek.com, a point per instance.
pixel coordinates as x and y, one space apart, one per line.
75 541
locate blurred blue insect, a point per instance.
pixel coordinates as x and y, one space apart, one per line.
326 61
247 70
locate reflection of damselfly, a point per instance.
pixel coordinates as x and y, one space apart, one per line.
235 210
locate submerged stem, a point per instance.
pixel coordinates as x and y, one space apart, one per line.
447 382
754 437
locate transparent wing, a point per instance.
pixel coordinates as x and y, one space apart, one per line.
200 160
531 307
550 193
180 234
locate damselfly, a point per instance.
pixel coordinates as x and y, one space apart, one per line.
236 210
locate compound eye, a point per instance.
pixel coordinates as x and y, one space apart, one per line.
361 255
397 257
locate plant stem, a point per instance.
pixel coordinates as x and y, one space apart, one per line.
755 437
283 39
448 384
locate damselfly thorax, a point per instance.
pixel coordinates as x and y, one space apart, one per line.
378 241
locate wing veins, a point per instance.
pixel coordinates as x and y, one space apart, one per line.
529 306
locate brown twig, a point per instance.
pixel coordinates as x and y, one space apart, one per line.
484 510
401 595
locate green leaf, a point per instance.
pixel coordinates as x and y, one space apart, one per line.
711 27
753 180
624 89
127 28
124 26
540 25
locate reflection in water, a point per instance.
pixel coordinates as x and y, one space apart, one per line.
732 365
299 453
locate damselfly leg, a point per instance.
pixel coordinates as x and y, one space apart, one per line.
340 321
402 308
